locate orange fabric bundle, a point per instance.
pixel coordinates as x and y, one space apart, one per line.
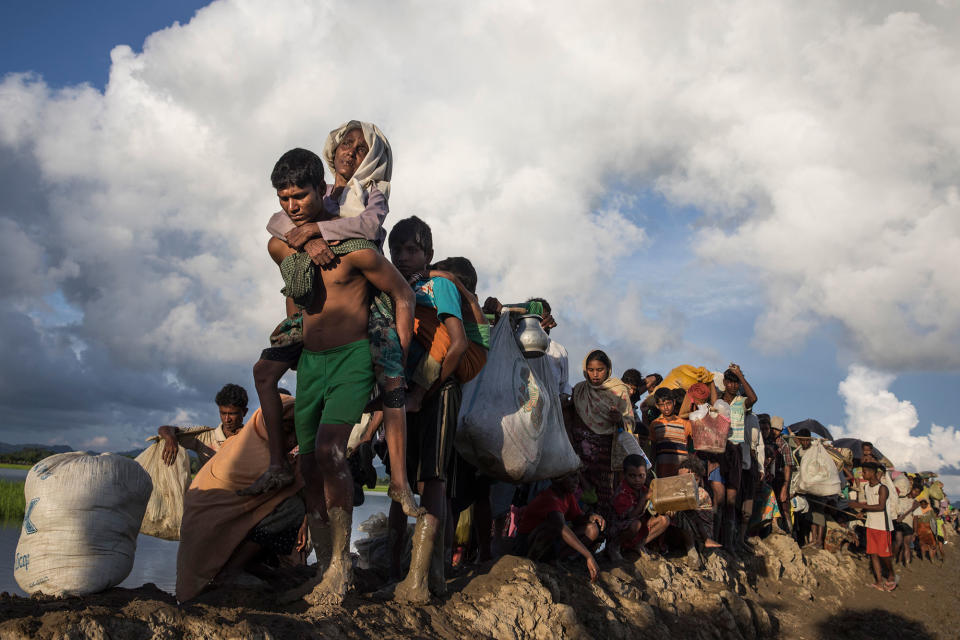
215 518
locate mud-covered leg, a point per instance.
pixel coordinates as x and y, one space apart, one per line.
338 490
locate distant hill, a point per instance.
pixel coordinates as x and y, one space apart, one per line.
14 448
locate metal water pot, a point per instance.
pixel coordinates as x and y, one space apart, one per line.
531 337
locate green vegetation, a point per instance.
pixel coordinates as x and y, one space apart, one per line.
12 502
7 465
28 457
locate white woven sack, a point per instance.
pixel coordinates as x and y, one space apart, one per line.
818 473
510 423
79 532
170 481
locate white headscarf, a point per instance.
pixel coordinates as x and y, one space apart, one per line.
375 168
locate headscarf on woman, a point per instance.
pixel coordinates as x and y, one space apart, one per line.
375 169
593 402
215 519
593 433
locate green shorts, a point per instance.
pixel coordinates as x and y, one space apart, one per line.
333 387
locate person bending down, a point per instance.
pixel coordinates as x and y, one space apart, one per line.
223 534
553 526
634 526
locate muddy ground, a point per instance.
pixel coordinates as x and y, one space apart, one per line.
780 592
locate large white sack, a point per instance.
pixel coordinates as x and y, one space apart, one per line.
510 423
165 508
79 532
818 473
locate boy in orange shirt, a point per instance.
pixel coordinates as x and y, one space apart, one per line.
669 435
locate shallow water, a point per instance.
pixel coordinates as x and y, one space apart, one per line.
13 474
156 559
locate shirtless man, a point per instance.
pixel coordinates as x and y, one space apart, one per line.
334 374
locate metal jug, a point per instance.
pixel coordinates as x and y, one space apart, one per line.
531 337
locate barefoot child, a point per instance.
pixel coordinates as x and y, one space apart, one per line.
634 527
878 526
698 523
553 526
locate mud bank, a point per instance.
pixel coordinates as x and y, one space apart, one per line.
780 592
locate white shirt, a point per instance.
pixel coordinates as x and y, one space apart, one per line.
560 365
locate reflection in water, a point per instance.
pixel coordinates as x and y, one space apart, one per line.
156 559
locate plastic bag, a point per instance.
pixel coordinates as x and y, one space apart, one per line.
79 532
818 474
625 444
511 424
710 431
165 508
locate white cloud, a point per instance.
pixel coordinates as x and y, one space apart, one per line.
876 415
819 140
96 443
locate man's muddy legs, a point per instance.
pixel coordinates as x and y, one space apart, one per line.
317 524
395 430
266 377
338 489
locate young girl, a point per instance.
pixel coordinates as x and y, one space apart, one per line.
924 520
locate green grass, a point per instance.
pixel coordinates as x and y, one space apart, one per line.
12 502
7 465
382 488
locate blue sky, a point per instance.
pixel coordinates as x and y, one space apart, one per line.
215 83
70 42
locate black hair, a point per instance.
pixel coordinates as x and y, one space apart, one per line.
866 444
634 377
803 433
678 396
876 466
662 393
731 376
415 229
600 356
460 267
543 301
634 460
232 395
284 392
695 465
298 168
657 377
764 417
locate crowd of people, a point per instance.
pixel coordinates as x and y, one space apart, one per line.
382 349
